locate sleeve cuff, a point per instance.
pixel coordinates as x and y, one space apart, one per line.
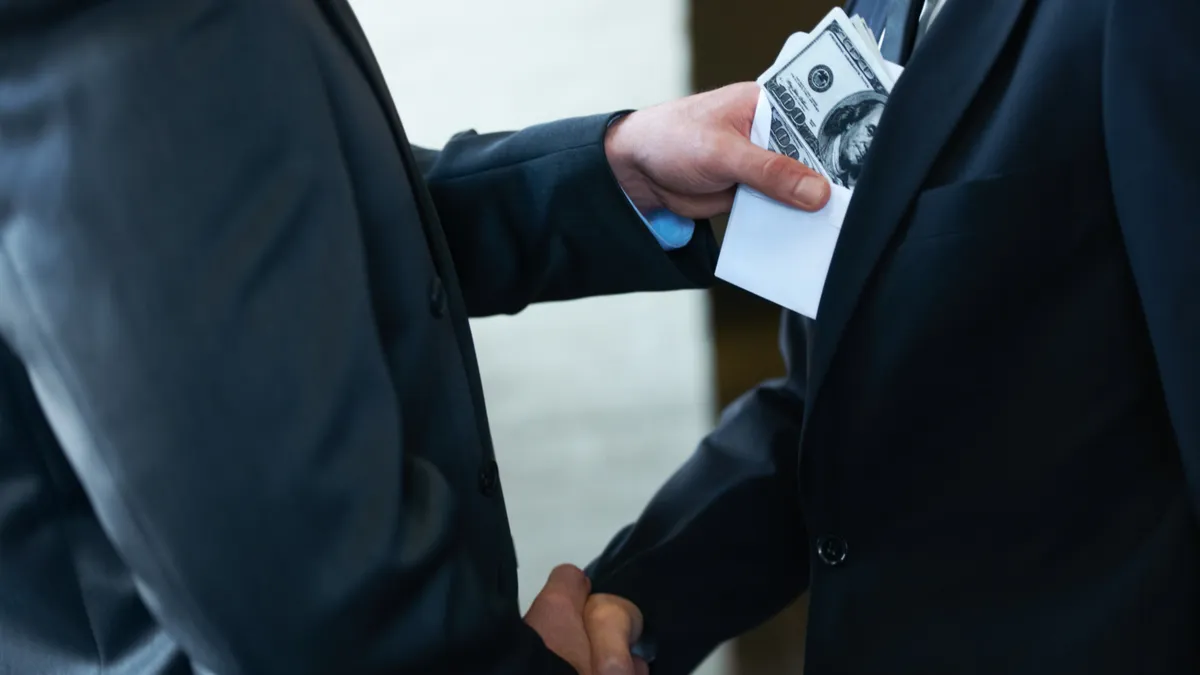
672 231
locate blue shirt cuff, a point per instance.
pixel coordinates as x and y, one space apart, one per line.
671 231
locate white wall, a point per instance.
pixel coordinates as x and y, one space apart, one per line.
592 403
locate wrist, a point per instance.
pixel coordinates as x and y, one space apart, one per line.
621 150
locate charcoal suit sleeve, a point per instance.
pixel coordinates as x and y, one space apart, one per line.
537 215
1151 95
722 546
182 274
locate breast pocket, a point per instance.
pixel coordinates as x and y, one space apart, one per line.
1050 208
991 244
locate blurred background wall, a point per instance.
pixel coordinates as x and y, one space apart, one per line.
594 403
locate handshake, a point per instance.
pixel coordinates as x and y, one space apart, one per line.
593 633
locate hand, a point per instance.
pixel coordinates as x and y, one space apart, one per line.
557 615
614 624
689 155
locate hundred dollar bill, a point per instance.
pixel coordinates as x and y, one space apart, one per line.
782 140
864 31
827 100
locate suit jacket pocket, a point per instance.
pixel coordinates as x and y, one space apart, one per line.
1045 207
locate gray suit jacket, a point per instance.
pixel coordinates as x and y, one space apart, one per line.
241 424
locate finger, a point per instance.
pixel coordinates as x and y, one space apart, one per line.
613 625
640 667
777 176
567 584
701 207
609 634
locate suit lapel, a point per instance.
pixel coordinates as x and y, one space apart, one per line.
942 78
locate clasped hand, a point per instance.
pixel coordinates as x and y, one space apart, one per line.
593 633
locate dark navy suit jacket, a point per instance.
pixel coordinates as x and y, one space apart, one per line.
985 456
241 424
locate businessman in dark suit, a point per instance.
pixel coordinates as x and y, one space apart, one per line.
985 456
241 424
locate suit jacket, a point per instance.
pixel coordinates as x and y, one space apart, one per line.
241 423
985 456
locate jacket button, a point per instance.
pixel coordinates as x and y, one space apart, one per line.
437 298
832 550
489 479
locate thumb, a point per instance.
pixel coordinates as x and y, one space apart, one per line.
613 625
567 585
777 176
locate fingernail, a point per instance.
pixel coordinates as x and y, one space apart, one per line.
811 191
613 666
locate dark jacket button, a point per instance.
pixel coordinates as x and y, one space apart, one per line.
832 550
437 298
489 479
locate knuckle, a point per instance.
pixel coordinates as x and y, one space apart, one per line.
568 577
566 570
776 165
608 612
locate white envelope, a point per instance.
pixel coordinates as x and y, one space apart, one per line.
775 251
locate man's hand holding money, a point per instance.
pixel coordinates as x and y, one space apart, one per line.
688 157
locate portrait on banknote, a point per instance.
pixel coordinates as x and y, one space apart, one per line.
827 100
846 135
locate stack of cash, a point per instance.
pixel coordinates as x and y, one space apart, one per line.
823 98
820 104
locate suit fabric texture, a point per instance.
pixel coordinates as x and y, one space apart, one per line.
985 455
241 424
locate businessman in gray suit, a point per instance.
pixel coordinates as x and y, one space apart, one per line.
241 424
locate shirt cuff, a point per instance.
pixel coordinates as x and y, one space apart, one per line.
672 231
